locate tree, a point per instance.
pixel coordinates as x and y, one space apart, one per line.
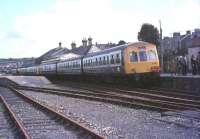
149 33
121 42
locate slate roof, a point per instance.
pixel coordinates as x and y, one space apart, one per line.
53 53
60 51
82 50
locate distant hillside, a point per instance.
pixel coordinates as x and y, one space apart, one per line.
10 63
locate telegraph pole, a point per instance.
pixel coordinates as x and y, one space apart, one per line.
161 46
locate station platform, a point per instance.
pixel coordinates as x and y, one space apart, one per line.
189 75
189 83
25 80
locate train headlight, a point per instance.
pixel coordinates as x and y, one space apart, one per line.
155 68
133 70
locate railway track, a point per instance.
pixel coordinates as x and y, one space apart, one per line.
130 99
149 93
160 91
39 121
9 128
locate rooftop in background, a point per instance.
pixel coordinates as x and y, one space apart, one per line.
53 53
60 52
177 41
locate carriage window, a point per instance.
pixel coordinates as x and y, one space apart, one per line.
117 58
87 62
104 60
100 61
143 56
152 55
93 62
107 59
133 57
90 62
112 59
96 62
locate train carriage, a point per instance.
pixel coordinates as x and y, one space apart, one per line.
70 64
48 67
22 71
106 62
133 58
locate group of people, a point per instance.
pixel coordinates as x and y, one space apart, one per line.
195 64
180 65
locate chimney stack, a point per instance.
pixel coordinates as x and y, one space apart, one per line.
73 44
84 41
188 32
90 41
60 44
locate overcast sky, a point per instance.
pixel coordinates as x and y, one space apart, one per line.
29 28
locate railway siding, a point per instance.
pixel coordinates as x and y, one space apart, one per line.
40 121
121 122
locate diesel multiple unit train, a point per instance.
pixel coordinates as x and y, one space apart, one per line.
132 59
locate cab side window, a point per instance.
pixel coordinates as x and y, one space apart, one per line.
152 55
133 57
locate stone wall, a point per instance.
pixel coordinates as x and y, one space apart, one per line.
188 84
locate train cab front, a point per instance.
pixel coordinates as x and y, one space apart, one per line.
141 60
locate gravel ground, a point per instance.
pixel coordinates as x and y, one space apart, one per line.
117 122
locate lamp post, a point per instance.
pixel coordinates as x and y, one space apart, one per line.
161 46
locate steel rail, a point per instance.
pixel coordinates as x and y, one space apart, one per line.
106 98
130 99
92 133
13 116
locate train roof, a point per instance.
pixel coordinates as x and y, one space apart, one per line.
107 50
118 48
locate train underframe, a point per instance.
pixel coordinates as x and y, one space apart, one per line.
143 80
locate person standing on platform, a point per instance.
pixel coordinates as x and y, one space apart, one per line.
185 65
198 63
193 65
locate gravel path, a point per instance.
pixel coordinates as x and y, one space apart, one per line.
117 122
